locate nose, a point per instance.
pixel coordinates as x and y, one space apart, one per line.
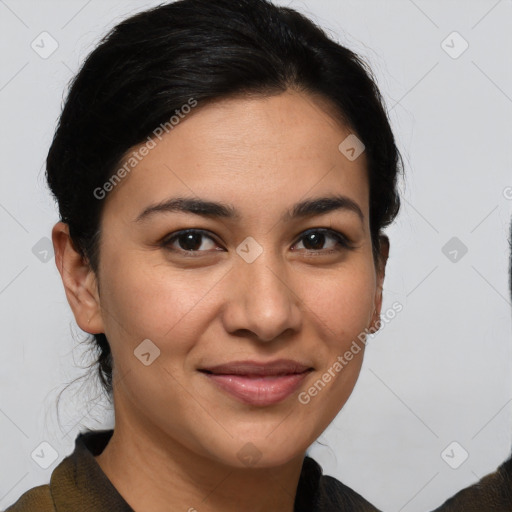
261 300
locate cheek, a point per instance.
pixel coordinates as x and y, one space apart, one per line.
342 306
343 302
154 301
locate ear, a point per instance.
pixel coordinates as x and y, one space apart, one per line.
79 281
381 271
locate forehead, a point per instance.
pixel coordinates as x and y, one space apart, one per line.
260 151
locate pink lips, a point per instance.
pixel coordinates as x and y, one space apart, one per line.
257 383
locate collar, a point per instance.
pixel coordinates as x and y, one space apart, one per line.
78 482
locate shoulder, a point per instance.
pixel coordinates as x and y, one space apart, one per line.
76 483
492 493
335 495
36 499
323 493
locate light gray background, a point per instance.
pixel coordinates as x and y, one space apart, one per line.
439 372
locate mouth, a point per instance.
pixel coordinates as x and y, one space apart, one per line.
257 383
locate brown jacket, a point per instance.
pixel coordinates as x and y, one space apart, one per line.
491 494
78 484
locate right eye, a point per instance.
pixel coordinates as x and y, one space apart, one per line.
188 242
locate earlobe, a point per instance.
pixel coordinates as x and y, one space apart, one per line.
79 281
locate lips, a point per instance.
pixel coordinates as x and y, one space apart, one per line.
258 383
258 369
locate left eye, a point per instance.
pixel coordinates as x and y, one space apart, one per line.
316 238
313 240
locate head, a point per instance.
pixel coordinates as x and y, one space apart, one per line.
200 159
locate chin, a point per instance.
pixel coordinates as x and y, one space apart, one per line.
259 450
274 450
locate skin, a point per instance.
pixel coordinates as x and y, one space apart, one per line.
177 435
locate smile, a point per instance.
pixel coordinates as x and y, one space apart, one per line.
259 391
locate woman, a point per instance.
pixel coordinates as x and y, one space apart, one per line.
224 172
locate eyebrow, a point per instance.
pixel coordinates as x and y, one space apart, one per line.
303 209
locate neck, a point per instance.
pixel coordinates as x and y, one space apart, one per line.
155 473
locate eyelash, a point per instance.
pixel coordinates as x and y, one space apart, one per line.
342 242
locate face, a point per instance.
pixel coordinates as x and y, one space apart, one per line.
255 280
